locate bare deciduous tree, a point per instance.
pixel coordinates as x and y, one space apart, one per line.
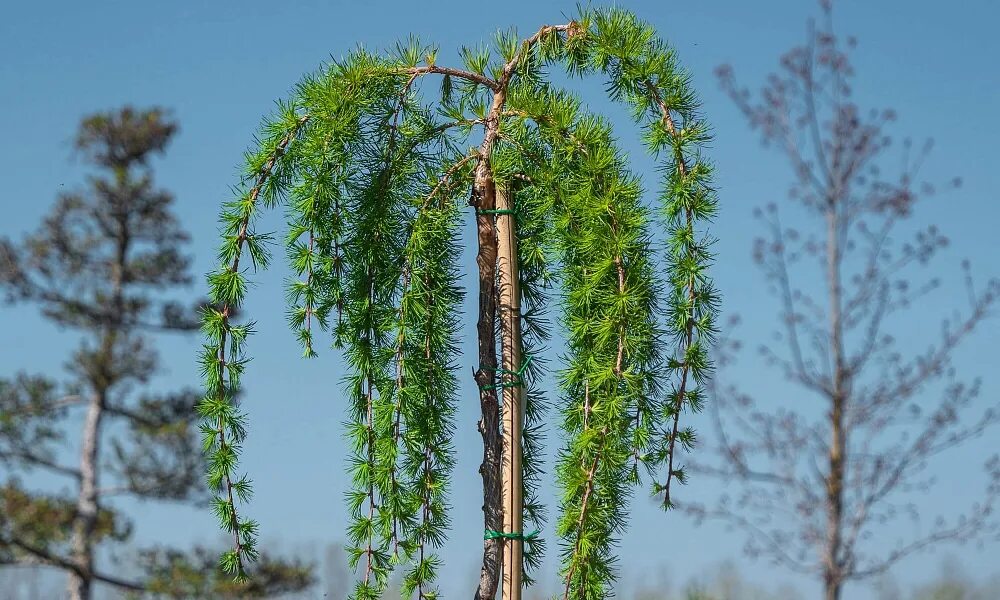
844 455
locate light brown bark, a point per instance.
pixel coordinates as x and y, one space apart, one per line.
485 200
513 396
489 424
832 564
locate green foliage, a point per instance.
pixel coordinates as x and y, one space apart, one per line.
610 380
222 359
644 74
34 523
195 575
369 166
22 432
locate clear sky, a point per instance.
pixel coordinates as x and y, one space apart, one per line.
220 66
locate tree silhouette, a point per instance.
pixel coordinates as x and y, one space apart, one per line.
103 263
821 474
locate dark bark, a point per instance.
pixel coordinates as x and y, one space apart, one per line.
484 199
489 424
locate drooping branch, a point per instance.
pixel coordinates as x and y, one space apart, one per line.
643 73
224 429
689 326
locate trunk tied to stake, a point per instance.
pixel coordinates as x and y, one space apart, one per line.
375 176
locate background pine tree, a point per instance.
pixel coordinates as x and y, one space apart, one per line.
104 263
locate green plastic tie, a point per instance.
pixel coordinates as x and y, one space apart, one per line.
524 537
496 211
519 374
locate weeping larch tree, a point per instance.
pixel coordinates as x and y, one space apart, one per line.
369 158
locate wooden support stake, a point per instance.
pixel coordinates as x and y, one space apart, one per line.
513 396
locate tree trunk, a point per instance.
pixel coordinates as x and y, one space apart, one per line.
832 590
102 378
485 199
489 424
513 396
85 520
833 559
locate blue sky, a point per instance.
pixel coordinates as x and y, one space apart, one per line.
220 66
